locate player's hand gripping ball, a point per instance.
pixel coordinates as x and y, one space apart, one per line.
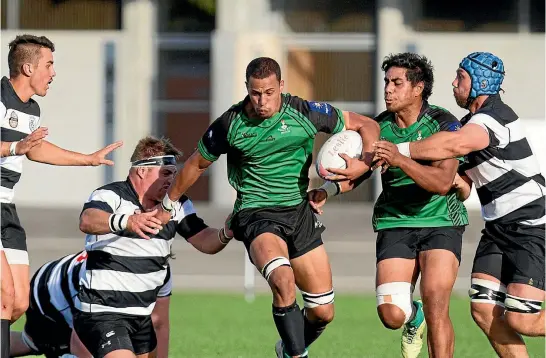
345 142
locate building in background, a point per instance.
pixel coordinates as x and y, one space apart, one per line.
170 67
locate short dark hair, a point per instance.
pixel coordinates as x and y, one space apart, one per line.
263 67
26 48
154 147
419 69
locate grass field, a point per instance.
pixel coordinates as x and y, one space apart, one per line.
218 325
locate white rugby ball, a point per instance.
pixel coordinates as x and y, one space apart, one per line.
348 142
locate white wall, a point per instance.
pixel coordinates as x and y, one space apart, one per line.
73 110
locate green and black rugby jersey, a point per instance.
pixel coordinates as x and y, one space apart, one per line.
268 159
403 203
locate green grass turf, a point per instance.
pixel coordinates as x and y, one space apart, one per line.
220 325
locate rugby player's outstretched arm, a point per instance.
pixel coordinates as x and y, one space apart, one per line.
211 241
442 145
191 171
49 153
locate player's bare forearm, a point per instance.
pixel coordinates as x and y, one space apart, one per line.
5 149
348 185
49 153
439 146
369 131
207 241
435 179
191 171
95 222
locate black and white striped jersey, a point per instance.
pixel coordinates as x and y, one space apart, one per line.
19 119
55 285
507 176
123 272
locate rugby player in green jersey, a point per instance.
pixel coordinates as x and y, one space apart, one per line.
268 138
418 217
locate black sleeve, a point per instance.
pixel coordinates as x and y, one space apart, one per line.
448 122
323 116
215 140
190 225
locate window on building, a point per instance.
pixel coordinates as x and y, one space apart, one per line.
536 23
65 14
186 15
327 15
466 15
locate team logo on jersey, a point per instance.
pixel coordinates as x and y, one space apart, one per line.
453 126
13 120
284 128
32 123
320 107
419 136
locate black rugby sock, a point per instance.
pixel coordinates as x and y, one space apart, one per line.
4 338
312 330
289 322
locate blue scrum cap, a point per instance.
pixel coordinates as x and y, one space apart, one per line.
486 71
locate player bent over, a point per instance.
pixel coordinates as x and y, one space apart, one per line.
507 287
49 322
128 253
268 138
418 218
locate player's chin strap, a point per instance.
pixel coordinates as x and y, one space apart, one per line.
158 161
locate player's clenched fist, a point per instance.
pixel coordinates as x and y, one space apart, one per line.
144 223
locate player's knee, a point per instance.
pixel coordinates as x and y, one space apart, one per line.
319 307
20 306
278 273
394 303
522 314
487 301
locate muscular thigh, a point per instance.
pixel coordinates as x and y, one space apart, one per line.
438 272
266 247
312 271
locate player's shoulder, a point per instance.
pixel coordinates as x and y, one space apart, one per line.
117 191
305 106
383 117
114 186
184 199
233 112
445 119
440 113
185 207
